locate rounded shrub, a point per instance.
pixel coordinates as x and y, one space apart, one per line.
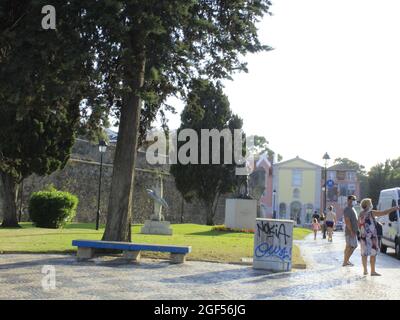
52 208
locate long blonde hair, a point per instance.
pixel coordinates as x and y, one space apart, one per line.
366 203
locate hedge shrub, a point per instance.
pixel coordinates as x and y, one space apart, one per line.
52 208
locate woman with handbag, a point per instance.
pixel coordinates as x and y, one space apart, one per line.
368 236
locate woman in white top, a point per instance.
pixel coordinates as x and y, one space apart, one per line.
330 220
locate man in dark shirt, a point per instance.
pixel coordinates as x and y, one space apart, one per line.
315 215
351 230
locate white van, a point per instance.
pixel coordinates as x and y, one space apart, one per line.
389 198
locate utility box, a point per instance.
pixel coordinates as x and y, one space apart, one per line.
273 243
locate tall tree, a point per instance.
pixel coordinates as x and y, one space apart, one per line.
43 74
383 176
207 108
148 50
261 145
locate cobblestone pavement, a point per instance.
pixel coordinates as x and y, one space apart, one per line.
110 278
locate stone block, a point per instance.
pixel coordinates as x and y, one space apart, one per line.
178 258
85 253
156 227
131 255
240 213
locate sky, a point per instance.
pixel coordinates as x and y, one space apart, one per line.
331 84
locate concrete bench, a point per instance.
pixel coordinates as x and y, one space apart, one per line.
131 251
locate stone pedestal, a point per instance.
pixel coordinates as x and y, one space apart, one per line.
240 213
273 242
156 227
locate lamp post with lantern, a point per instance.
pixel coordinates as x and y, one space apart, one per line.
273 204
326 158
102 150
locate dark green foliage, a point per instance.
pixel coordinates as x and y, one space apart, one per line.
261 146
44 75
207 108
181 40
42 80
383 176
52 208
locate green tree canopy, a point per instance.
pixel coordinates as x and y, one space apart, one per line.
383 176
43 77
207 108
261 145
149 50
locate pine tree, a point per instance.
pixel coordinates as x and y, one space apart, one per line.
207 108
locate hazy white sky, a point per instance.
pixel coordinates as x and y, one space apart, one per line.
331 84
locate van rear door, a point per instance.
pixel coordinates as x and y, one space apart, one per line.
393 223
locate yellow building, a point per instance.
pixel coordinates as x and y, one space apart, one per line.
297 183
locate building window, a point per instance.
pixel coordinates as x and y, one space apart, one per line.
296 193
309 212
351 189
351 176
332 175
333 193
282 210
296 178
341 175
343 190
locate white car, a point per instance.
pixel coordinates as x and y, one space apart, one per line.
389 198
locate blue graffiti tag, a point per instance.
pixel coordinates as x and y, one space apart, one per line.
266 250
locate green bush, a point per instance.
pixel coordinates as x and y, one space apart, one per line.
52 208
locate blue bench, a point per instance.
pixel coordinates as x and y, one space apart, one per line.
131 251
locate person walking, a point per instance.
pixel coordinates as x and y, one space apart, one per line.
330 221
323 224
351 230
369 233
315 226
315 215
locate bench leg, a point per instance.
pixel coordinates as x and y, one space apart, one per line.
132 255
178 258
85 253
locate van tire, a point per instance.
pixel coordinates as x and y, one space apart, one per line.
383 248
397 250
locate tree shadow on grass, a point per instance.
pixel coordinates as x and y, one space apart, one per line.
216 233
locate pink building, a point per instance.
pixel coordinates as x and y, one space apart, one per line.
266 201
345 183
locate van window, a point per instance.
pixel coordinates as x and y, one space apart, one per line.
393 216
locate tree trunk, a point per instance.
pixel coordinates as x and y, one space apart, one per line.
209 216
8 200
122 185
211 210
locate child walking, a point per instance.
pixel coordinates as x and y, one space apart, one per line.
315 226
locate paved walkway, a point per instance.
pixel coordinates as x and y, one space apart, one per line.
21 277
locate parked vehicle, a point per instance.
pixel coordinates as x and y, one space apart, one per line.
339 225
389 198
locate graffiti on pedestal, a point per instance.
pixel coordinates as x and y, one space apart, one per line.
273 241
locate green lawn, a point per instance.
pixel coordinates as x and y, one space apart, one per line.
207 245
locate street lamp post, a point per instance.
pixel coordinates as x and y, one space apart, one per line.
326 158
273 204
102 149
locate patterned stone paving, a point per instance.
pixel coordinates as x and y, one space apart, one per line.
112 278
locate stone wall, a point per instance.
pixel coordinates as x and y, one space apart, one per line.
81 177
